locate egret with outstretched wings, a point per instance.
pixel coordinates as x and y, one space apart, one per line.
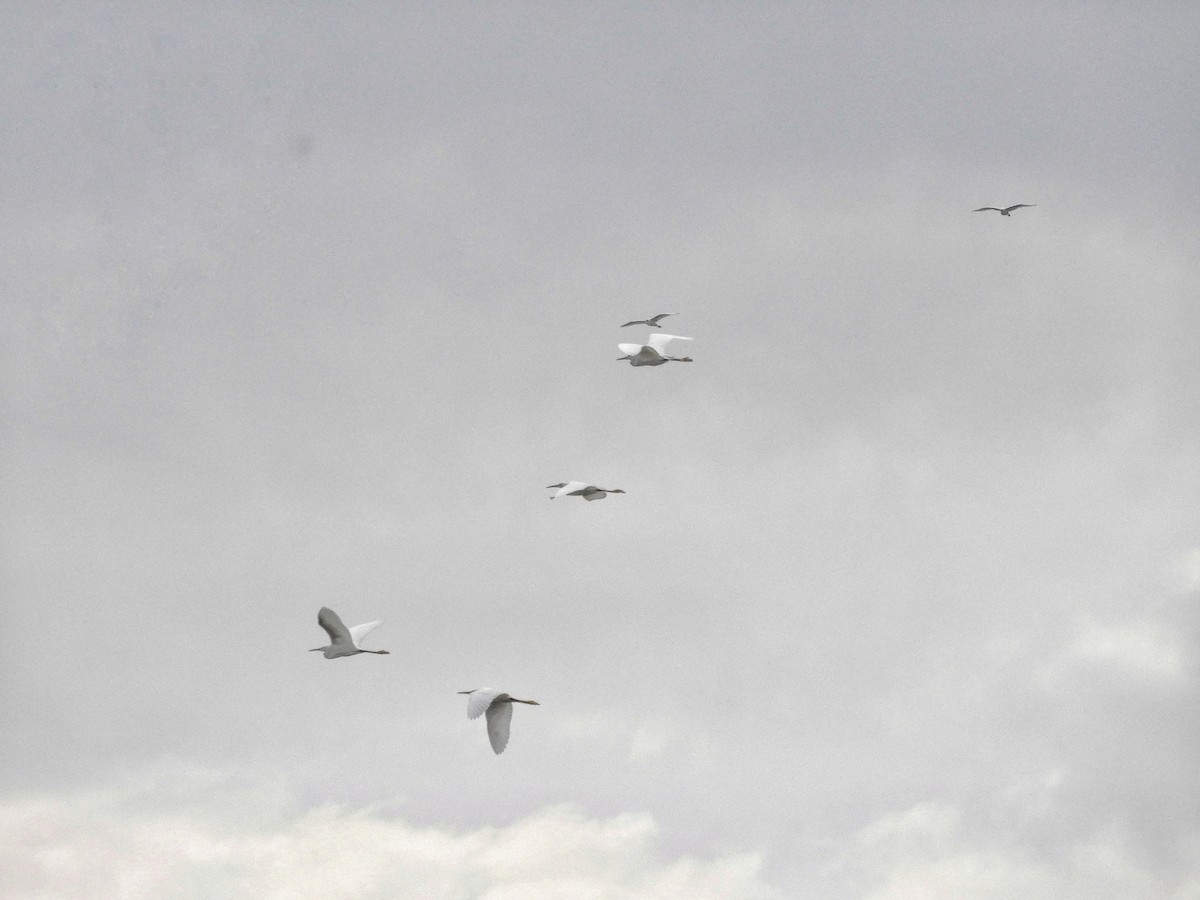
498 706
345 641
582 489
652 352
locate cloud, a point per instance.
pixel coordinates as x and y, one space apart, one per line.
927 853
1188 568
210 838
1145 649
642 740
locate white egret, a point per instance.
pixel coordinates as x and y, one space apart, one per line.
582 489
1007 211
652 321
651 352
498 706
346 641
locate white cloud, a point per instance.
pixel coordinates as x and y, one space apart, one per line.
648 742
1031 798
146 842
641 740
925 853
1143 648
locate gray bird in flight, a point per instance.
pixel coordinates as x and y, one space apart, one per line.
652 321
582 489
1007 211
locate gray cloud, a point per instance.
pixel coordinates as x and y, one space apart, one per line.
306 310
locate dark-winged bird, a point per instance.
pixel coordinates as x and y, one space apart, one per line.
652 321
1007 211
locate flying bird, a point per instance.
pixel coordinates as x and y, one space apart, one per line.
652 321
498 707
1007 211
582 489
651 352
346 641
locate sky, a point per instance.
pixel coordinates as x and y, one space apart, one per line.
304 305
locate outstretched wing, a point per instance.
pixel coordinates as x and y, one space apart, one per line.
654 320
1018 206
479 701
635 322
358 632
571 487
339 634
983 208
630 349
499 715
659 342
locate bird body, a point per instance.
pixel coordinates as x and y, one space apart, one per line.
582 489
344 641
651 353
652 321
1007 211
498 707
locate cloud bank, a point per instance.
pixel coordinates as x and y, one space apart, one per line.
211 840
203 835
926 853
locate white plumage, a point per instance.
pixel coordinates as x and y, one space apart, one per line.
344 641
652 353
498 707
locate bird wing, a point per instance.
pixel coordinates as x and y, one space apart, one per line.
499 715
631 349
572 487
982 208
358 632
635 322
338 633
659 342
1019 206
654 320
478 701
597 494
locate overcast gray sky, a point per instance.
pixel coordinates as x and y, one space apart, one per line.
304 305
